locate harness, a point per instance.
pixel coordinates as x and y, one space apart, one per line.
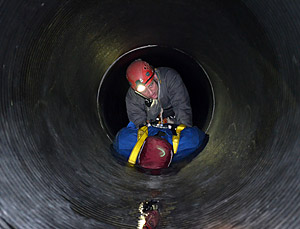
143 134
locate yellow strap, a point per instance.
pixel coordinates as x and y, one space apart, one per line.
141 131
142 135
176 138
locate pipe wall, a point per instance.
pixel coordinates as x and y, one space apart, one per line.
56 166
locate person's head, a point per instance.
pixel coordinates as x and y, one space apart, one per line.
142 78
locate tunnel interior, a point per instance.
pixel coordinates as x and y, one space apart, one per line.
60 109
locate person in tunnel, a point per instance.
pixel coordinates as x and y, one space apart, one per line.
157 104
156 94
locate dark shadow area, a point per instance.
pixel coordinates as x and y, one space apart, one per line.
56 166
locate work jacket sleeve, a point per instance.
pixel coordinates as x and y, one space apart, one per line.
135 108
179 98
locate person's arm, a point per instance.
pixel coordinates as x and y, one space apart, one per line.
179 98
135 109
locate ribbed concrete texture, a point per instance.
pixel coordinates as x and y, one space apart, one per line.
62 101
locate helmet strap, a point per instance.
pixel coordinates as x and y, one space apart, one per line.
148 101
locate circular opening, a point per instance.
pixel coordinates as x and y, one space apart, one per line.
114 86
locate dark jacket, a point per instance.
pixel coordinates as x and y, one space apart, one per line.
173 96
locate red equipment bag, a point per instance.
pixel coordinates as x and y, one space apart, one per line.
156 153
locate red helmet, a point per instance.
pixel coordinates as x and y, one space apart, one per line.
139 73
156 153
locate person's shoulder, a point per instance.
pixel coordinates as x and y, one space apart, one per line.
132 96
165 70
167 73
130 92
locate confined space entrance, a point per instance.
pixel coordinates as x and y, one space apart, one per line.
114 86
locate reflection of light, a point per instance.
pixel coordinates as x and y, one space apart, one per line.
142 220
140 88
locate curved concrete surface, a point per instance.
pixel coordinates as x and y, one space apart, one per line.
56 167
